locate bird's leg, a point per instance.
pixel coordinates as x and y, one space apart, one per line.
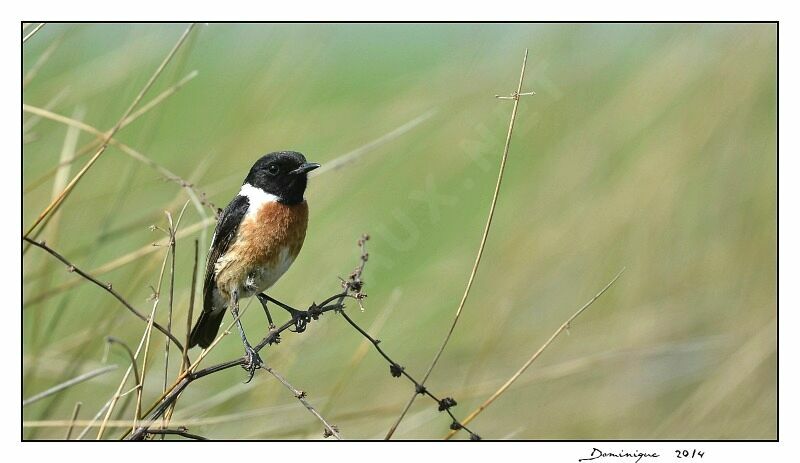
252 360
299 317
263 299
282 305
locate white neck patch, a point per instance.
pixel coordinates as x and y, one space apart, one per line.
256 197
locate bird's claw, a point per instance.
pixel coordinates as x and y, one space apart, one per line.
252 362
300 319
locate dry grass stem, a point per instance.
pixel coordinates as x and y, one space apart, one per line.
33 121
86 149
192 366
138 388
158 99
190 313
564 327
157 298
46 54
352 288
75 412
144 342
352 156
53 206
34 31
112 340
481 247
67 384
190 189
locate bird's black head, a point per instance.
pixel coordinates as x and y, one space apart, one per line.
283 174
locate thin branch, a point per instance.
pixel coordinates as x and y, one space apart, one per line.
481 247
564 327
190 375
330 430
54 205
361 351
175 391
67 384
106 286
397 370
352 288
121 261
183 432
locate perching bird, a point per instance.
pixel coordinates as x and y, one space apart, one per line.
258 236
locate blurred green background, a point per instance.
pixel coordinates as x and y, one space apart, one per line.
651 147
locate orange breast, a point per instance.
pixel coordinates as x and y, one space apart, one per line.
262 239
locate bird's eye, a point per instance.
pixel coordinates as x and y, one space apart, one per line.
273 169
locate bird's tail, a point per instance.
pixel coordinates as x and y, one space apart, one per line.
206 328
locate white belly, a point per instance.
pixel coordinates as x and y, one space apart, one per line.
259 280
263 278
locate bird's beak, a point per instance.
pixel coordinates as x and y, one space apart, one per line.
305 168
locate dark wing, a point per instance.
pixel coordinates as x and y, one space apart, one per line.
227 227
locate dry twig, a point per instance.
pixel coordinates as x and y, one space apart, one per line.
330 430
183 432
352 288
361 351
108 287
190 375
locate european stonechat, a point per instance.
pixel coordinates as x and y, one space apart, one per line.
258 236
